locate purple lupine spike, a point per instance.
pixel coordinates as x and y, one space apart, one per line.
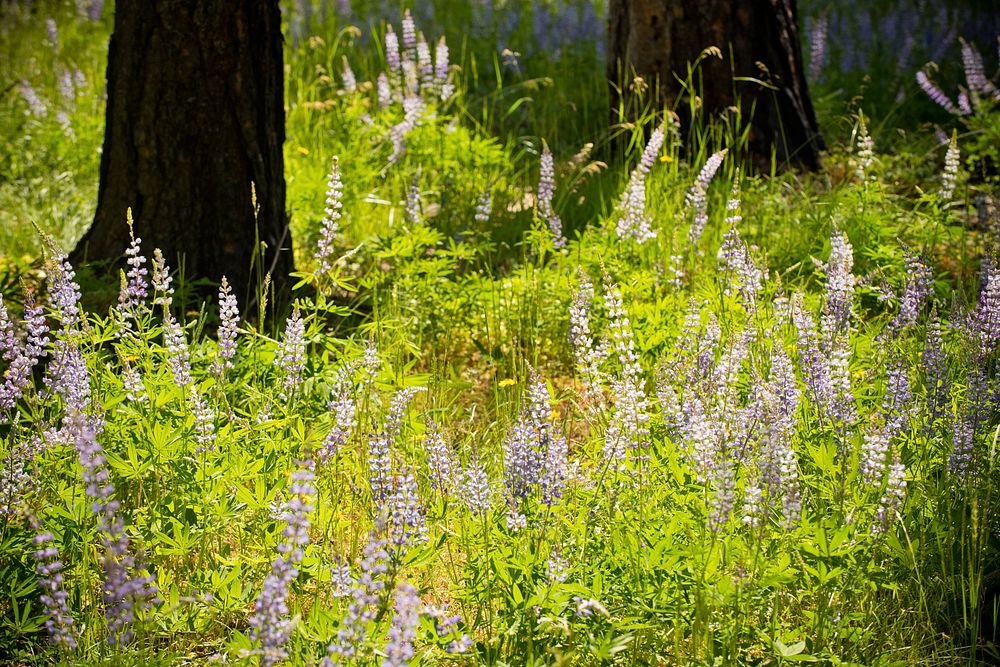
291 354
724 498
743 275
64 292
52 32
544 194
696 199
589 356
59 620
864 151
229 319
18 480
413 215
384 91
919 286
21 356
406 518
270 621
634 221
413 108
177 350
961 461
475 489
399 650
330 226
350 85
392 59
36 107
817 47
135 289
204 422
344 409
985 318
441 463
937 388
840 281
936 94
892 497
952 163
66 375
484 207
444 87
425 67
163 292
409 35
975 72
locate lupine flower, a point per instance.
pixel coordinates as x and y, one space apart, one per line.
379 444
425 65
724 498
840 281
341 580
985 318
17 477
161 280
135 390
66 375
291 355
21 356
919 286
634 221
544 194
696 199
817 47
406 518
556 569
347 76
35 104
743 275
826 374
413 107
961 461
204 422
865 150
344 410
484 207
950 173
409 35
936 386
441 462
399 650
441 84
229 317
516 521
383 90
64 292
936 94
270 622
59 621
177 350
413 202
52 32
753 504
475 489
392 60
135 289
589 356
892 497
364 596
975 72
330 226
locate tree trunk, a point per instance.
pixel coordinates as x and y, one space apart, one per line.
195 114
658 39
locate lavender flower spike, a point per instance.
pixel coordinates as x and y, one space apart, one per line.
634 222
399 651
229 314
270 620
330 227
47 564
546 190
697 197
949 175
135 289
291 356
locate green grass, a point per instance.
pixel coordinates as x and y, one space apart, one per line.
479 315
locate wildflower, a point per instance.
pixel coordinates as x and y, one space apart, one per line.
951 165
35 104
59 621
441 84
66 375
383 90
204 422
344 411
961 461
484 207
589 356
586 607
409 35
64 292
135 289
330 226
135 390
413 202
840 281
696 199
413 107
52 32
936 385
865 150
21 356
817 47
347 76
406 519
379 444
291 356
556 568
17 478
936 94
919 286
340 579
975 72
440 460
544 194
177 350
634 221
270 622
985 317
475 489
229 316
892 497
399 650
392 59
744 276
425 65
161 280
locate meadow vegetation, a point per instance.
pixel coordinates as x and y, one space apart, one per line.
551 391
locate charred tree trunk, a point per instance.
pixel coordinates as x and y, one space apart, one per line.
758 39
195 115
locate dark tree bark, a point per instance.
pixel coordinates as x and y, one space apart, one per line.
195 115
657 39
